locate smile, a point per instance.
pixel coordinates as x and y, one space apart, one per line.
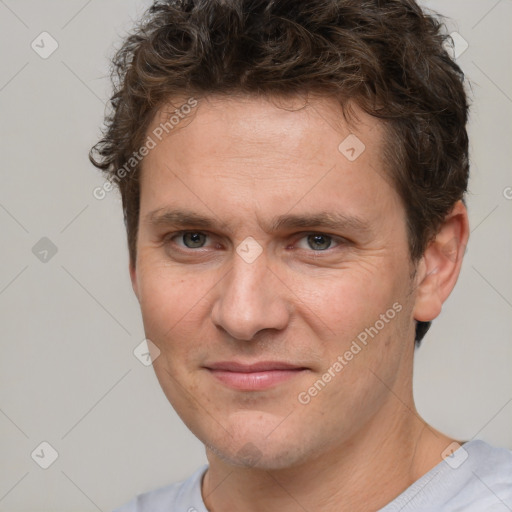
254 377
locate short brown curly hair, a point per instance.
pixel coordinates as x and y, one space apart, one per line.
387 56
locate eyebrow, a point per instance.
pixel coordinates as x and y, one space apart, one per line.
324 219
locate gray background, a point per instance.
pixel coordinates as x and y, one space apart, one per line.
69 324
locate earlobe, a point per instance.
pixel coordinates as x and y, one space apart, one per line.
440 264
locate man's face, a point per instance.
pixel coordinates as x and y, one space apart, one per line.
294 296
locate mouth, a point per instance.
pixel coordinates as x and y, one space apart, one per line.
254 376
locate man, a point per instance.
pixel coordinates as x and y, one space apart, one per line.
293 176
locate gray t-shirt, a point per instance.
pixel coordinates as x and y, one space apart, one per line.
476 478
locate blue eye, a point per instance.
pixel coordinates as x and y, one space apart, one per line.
193 239
309 242
318 242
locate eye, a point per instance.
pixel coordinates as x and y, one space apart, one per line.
318 242
190 239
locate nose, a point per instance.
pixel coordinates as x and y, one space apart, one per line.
251 298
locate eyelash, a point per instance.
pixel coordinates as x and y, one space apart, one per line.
168 239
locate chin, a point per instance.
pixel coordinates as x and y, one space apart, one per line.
250 456
259 448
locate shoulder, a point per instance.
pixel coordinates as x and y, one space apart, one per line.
489 458
184 496
476 478
487 477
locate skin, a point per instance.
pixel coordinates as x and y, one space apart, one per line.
244 160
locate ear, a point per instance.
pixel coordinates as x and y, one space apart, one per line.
133 278
439 267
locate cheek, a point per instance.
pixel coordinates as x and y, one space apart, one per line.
171 304
361 318
172 308
347 302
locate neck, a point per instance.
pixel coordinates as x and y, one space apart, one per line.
364 473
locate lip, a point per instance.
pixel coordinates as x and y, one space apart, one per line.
254 376
260 366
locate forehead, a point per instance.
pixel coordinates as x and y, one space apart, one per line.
275 152
292 127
